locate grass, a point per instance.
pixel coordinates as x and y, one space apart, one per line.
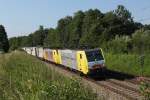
128 63
23 77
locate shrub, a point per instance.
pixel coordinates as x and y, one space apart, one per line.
119 44
141 41
145 90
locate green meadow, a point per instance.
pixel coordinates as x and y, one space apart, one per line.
128 63
23 77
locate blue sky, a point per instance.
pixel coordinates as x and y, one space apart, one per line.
21 17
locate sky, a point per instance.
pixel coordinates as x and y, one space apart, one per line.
21 17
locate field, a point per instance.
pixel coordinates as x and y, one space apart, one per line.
23 77
128 63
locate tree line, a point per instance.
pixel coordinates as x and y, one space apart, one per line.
113 31
4 44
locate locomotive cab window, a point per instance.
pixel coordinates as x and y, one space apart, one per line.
95 55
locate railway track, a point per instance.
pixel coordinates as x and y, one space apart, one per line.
138 80
147 79
125 88
122 90
125 84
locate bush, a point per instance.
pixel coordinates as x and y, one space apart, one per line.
119 44
145 90
141 41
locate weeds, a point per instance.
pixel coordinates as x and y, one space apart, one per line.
145 90
24 77
128 63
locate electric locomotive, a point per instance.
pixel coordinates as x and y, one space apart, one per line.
85 61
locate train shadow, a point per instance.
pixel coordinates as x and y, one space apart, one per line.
110 74
101 75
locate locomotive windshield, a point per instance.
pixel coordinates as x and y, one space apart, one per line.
95 55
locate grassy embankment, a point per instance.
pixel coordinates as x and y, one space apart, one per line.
23 77
128 63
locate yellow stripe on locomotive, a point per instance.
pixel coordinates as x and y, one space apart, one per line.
82 62
57 56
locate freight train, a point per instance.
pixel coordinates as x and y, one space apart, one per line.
85 61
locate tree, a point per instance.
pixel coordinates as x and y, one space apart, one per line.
112 25
4 44
14 43
64 30
91 28
52 39
123 13
76 29
39 36
147 27
127 25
